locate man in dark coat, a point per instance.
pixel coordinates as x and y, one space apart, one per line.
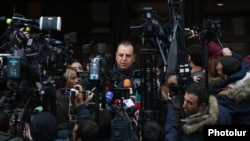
201 109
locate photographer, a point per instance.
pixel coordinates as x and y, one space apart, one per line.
67 102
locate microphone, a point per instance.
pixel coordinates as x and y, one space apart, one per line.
38 109
130 101
127 84
137 100
109 97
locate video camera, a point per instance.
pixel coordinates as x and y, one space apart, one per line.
152 25
208 29
41 59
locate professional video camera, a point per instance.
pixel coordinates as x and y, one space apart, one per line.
152 26
154 44
32 72
209 29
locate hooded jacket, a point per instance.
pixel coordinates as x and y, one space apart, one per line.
193 125
237 102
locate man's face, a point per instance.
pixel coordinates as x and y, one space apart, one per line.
125 57
190 104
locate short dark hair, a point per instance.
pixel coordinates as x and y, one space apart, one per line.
87 130
151 131
43 127
126 42
230 65
197 54
4 121
200 90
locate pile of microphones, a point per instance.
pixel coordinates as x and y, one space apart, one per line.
123 96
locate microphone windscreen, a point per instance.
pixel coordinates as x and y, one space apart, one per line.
39 109
137 100
126 83
109 97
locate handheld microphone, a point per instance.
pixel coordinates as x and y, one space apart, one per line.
127 84
109 97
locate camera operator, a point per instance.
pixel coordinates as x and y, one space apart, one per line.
67 102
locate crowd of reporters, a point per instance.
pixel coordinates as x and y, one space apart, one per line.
77 117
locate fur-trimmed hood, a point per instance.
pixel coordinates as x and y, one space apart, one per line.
208 116
241 92
237 91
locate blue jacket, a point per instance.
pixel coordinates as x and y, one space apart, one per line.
171 122
237 101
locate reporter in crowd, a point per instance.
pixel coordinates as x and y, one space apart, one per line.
67 106
201 109
43 127
233 92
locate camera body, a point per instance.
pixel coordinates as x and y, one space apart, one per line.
69 92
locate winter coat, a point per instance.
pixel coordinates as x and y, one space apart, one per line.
193 125
120 76
171 122
215 84
237 101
